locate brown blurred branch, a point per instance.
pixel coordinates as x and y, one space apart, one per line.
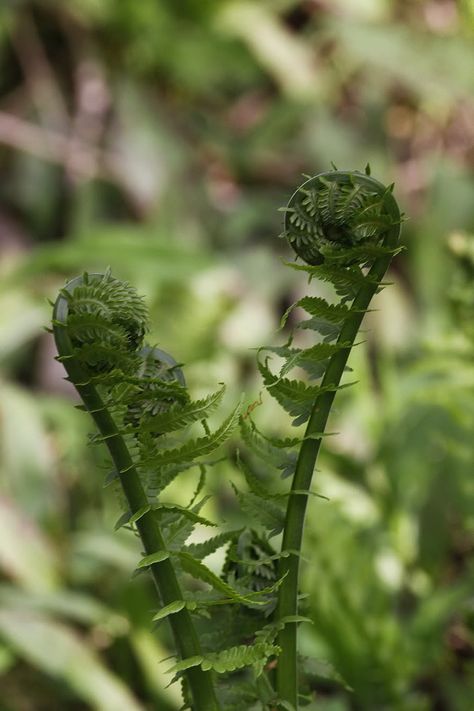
39 77
90 162
87 128
55 147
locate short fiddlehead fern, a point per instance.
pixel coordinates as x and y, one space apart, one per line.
99 324
138 399
345 226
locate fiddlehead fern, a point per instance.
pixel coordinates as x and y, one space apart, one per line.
337 216
345 226
99 324
138 398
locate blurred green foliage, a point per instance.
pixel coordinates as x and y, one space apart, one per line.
159 139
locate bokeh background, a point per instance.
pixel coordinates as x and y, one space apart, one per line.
160 138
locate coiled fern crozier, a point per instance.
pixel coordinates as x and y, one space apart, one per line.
345 226
238 627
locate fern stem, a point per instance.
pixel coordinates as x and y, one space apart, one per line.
163 573
287 671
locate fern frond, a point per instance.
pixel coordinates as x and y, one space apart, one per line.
177 528
256 483
313 360
262 511
184 664
319 307
182 512
135 395
202 572
269 633
182 415
307 357
345 227
265 450
293 395
198 447
346 280
199 551
157 478
229 660
153 558
328 214
170 609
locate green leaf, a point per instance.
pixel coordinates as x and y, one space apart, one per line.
306 357
262 511
254 482
182 511
346 280
159 477
270 589
199 447
177 528
329 331
269 633
157 557
182 415
161 389
229 660
123 520
319 307
138 514
284 705
170 609
186 664
363 253
293 395
255 562
201 572
202 550
296 618
265 450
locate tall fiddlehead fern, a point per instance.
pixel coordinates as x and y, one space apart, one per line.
345 226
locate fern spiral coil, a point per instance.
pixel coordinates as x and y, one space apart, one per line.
336 214
107 322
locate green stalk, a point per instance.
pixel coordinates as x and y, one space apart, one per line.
287 671
163 573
